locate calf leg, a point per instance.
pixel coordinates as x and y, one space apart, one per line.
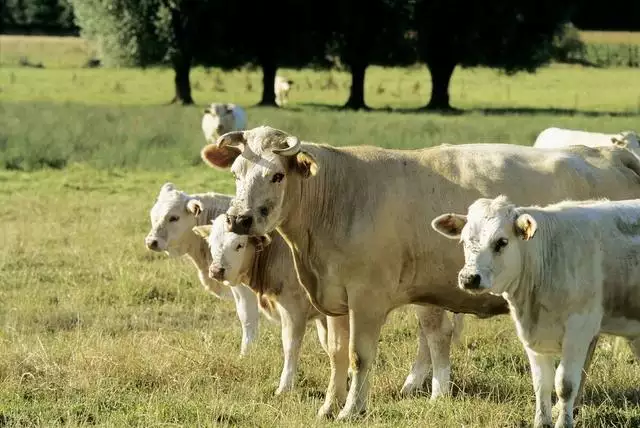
248 313
338 346
293 325
365 323
542 376
321 328
585 370
422 364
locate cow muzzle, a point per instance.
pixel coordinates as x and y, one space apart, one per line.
152 243
240 224
469 281
216 272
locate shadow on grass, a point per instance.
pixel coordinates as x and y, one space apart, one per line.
490 111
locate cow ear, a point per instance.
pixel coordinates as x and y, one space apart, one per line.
449 225
202 231
194 206
260 241
167 187
305 164
526 226
219 157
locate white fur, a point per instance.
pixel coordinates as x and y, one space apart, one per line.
282 86
559 137
220 118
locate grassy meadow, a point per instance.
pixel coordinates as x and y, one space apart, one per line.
97 331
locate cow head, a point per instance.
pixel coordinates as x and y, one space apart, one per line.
490 232
172 218
266 163
626 139
231 254
217 119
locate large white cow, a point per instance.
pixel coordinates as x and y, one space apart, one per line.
220 118
173 216
352 217
569 271
554 138
265 264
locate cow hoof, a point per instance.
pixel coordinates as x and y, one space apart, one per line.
346 415
325 412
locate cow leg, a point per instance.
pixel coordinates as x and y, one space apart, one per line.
581 333
439 334
321 328
248 313
365 324
338 345
422 365
293 325
585 370
542 376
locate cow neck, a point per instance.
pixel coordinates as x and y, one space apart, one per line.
257 280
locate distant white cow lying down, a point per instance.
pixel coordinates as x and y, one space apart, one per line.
219 118
173 217
558 137
266 265
569 271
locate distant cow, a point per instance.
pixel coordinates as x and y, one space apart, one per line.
351 216
558 137
569 272
266 265
282 86
219 118
173 216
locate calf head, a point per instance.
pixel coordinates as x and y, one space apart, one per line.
267 165
626 139
232 255
491 234
220 120
172 217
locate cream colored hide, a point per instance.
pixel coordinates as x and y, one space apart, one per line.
266 266
173 216
354 220
220 118
555 138
569 271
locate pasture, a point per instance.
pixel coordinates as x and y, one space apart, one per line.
97 331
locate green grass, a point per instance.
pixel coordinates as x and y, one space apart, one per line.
97 331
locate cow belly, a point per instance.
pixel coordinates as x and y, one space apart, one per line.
621 326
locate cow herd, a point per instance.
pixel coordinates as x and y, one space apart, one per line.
344 235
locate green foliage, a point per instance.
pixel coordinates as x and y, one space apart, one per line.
50 16
568 45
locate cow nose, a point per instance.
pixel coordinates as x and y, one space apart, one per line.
152 244
241 224
216 273
470 281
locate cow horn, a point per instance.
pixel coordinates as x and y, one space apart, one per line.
233 139
293 147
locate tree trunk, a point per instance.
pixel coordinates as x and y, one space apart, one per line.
268 79
356 94
182 68
441 70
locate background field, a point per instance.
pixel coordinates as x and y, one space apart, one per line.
98 331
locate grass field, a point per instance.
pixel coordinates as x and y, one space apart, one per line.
97 331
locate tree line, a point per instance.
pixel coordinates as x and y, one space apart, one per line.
510 35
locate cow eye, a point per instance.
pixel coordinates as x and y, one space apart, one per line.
500 244
277 177
174 218
238 247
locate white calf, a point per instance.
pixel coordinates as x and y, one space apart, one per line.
569 272
219 118
173 216
282 86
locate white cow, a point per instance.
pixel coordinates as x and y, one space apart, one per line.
558 137
282 86
173 216
265 264
569 272
219 118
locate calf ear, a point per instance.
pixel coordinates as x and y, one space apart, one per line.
168 186
526 226
260 241
305 164
449 225
202 231
194 206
